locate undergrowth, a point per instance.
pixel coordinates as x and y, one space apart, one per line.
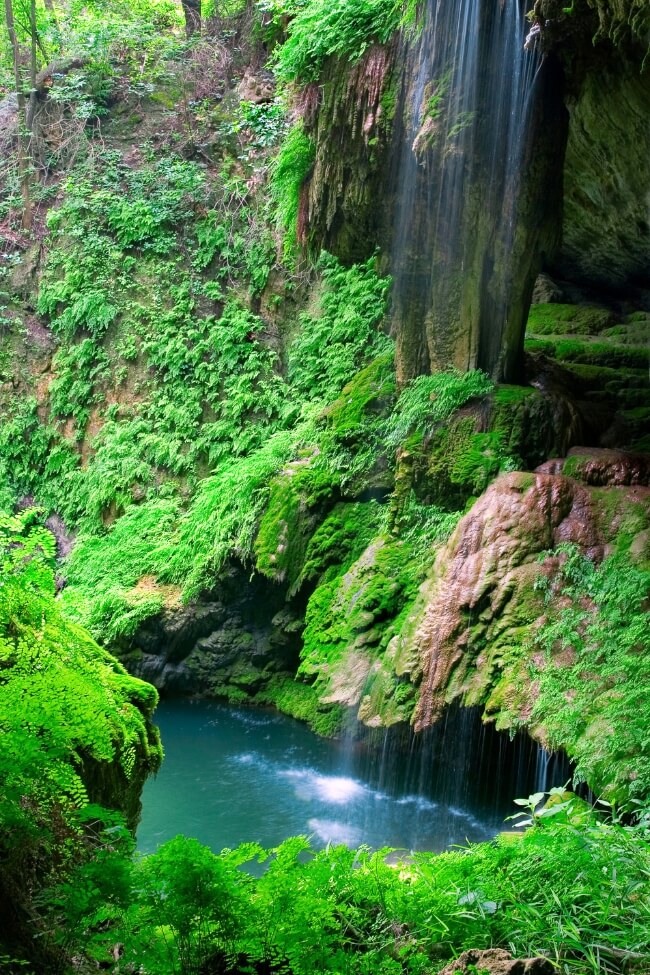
344 29
573 888
592 699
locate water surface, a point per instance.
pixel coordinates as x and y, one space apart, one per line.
232 775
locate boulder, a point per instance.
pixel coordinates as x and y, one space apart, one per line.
546 291
600 467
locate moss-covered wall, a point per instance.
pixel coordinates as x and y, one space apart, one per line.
606 220
349 113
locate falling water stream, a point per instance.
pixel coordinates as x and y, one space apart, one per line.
467 94
232 775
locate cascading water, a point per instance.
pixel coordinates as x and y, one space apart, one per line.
232 775
467 235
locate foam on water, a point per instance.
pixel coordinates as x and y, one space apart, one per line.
337 789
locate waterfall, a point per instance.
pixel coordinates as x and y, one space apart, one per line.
460 763
464 231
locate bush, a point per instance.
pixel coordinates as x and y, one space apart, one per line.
345 29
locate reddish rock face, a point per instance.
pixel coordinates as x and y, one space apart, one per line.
600 467
480 592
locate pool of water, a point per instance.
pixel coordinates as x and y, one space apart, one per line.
232 775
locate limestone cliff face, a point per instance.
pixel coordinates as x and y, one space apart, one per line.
469 634
606 222
479 604
454 172
232 643
350 117
586 216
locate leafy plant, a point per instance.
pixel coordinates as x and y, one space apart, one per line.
591 689
344 29
292 166
429 400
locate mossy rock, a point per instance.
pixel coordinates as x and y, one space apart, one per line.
517 427
360 608
352 438
386 700
569 350
298 499
301 700
552 319
339 541
372 390
460 461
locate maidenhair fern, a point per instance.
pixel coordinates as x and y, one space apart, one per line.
291 168
593 685
343 28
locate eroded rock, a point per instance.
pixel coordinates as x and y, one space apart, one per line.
496 961
480 599
257 87
598 466
227 641
606 228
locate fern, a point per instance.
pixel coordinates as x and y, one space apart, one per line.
63 698
344 29
429 400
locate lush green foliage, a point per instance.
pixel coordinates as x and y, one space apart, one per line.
429 400
62 697
571 887
593 689
345 28
290 170
346 333
207 404
258 415
72 721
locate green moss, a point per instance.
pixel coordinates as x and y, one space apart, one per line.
386 700
460 462
340 540
551 319
296 502
602 353
371 390
301 700
360 608
539 347
352 443
506 396
620 515
591 353
388 103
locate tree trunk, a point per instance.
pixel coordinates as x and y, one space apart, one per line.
192 11
23 134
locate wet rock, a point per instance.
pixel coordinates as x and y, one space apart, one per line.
598 466
230 639
349 115
496 961
546 291
606 230
480 602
